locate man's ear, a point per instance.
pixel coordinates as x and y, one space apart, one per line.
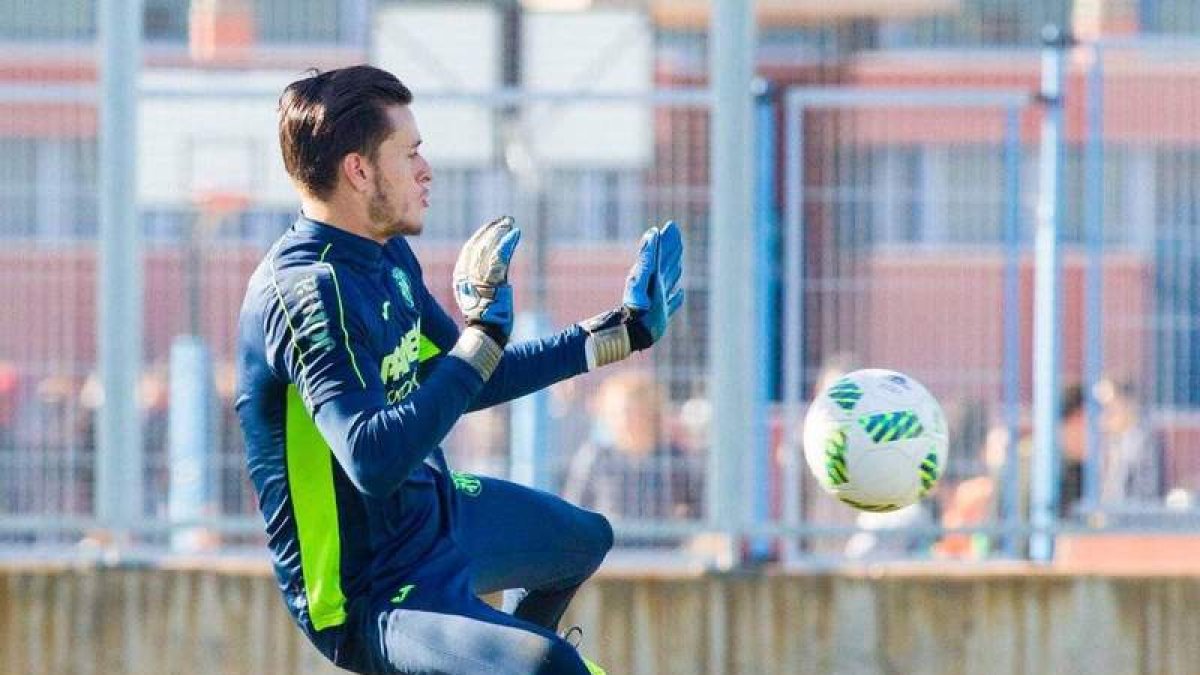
357 171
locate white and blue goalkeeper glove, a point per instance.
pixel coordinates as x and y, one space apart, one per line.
481 287
652 296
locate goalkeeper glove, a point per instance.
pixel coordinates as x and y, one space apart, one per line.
652 296
481 287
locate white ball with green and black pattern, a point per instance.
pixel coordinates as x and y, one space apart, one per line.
876 440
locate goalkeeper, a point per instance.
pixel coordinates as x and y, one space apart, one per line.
349 376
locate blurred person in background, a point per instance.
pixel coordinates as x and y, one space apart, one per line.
10 392
9 406
154 403
479 442
229 489
1131 468
570 424
979 501
350 375
971 501
628 466
69 406
1072 438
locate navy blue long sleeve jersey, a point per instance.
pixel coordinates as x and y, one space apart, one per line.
345 390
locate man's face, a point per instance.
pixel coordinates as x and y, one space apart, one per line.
399 194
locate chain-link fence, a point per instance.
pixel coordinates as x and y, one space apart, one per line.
1138 238
48 222
912 217
907 230
598 136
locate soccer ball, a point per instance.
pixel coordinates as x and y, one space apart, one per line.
876 439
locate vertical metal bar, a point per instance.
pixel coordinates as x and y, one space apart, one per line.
1046 469
1011 368
1093 344
119 291
793 319
734 386
356 24
190 430
1149 16
529 418
766 282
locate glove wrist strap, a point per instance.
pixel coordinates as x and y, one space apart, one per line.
479 351
608 339
491 330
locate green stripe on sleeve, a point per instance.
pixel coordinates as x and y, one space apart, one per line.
337 289
310 483
427 350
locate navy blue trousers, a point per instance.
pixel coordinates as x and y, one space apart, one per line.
504 536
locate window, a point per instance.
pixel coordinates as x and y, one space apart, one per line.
981 23
1170 16
165 20
48 20
1176 269
276 21
48 188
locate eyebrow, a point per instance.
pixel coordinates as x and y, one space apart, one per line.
417 144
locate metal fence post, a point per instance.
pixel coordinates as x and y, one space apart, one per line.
733 328
793 320
119 291
1046 469
530 419
1093 210
1010 514
766 227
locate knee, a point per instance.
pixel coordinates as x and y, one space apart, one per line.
599 534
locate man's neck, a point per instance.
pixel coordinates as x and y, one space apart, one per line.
336 215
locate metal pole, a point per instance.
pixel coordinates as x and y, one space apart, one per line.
1093 344
1045 470
793 321
119 291
766 281
733 328
529 419
529 416
1010 514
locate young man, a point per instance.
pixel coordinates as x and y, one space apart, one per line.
350 374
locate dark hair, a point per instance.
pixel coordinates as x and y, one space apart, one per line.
326 116
1070 401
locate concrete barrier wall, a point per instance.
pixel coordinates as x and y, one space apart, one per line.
98 621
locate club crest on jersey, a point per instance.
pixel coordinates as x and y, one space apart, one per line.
401 280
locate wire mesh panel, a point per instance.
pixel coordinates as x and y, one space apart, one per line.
905 228
1141 365
586 127
585 156
48 224
581 224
